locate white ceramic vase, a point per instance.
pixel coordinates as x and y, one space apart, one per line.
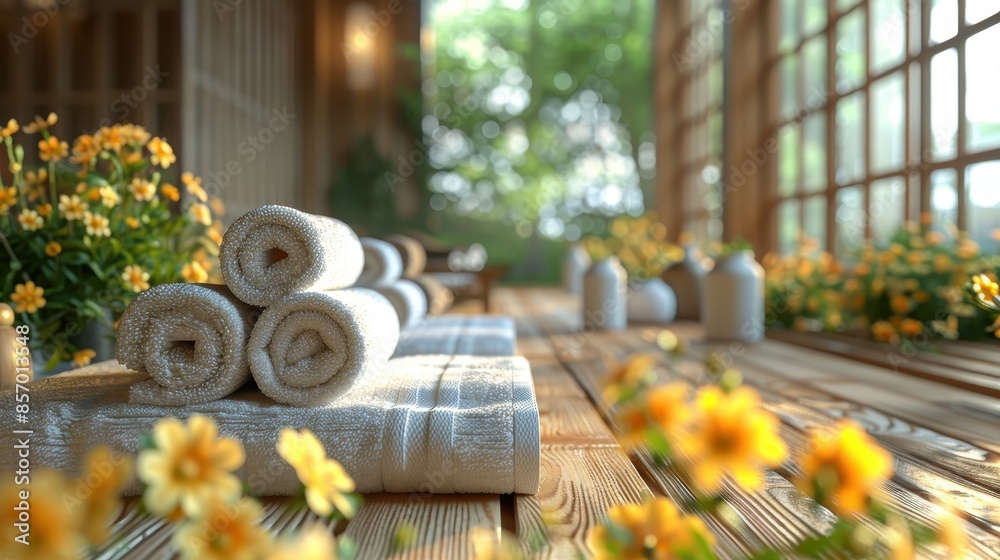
651 301
687 279
604 296
733 299
575 265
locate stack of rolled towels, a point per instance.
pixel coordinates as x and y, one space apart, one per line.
333 331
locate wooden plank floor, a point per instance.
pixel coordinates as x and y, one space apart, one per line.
945 436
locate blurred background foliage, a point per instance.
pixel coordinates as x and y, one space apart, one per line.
534 130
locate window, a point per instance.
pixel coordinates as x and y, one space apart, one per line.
699 138
887 111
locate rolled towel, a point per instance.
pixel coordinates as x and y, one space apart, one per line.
311 347
439 298
407 299
413 253
383 264
191 338
430 424
466 335
274 251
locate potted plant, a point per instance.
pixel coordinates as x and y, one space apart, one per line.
88 227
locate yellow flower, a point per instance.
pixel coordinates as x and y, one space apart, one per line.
44 210
51 149
40 123
71 207
655 529
217 206
911 327
27 297
225 531
967 249
883 331
30 220
105 476
901 304
668 406
486 545
194 187
843 469
97 225
214 234
136 278
8 198
83 357
985 288
731 434
325 480
201 214
94 195
53 248
194 273
314 542
170 192
55 528
160 152
862 269
142 189
134 134
110 138
131 222
109 197
85 149
951 534
10 129
189 465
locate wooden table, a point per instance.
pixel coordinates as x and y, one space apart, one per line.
945 438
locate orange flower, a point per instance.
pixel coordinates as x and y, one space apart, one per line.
142 189
655 529
194 187
9 130
194 273
83 357
53 249
85 149
27 297
51 149
843 469
160 152
110 138
170 192
8 198
911 327
136 278
901 305
201 214
40 123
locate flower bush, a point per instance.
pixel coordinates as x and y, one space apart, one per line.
639 243
91 225
913 287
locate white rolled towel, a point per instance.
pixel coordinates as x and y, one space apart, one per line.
311 347
191 338
407 299
274 251
383 263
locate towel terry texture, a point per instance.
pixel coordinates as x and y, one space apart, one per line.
413 253
311 347
473 335
436 424
383 264
407 299
273 251
190 338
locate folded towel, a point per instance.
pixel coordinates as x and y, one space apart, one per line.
191 338
473 335
435 424
311 347
383 264
407 299
273 251
413 253
439 298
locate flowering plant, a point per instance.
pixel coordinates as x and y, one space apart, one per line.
92 225
187 472
910 288
721 435
639 243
